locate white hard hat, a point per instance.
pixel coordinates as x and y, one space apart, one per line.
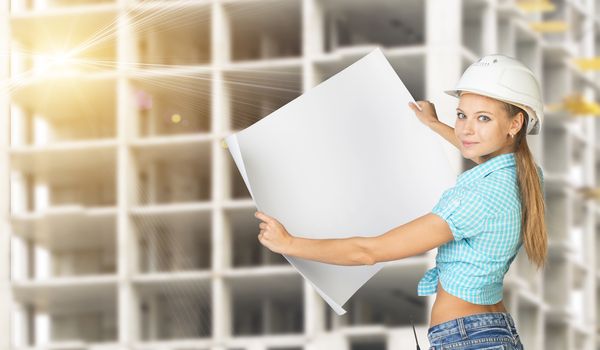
506 79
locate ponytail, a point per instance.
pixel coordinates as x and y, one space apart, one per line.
533 224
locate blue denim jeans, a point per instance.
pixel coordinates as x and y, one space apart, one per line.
490 330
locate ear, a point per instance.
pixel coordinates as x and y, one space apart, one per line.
516 123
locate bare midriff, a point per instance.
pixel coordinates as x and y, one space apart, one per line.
448 307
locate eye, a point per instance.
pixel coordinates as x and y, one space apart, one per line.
485 118
459 114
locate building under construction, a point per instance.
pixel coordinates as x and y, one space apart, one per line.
126 225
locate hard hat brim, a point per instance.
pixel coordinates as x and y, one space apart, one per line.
532 124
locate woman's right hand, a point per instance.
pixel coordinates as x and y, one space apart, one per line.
427 114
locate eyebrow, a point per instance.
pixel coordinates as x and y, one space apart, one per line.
458 109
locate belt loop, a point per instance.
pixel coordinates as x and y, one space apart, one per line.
461 327
508 320
510 326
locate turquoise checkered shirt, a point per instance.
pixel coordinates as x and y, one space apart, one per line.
483 211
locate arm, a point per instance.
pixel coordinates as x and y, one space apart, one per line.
428 116
413 238
425 112
445 131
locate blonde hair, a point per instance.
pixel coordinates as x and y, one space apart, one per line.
533 223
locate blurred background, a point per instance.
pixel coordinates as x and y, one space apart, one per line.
126 225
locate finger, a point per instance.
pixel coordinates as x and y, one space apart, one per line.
415 107
262 225
263 216
259 215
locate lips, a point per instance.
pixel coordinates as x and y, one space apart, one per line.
468 144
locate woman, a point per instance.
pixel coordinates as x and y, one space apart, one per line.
479 225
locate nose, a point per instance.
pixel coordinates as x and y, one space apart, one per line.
468 127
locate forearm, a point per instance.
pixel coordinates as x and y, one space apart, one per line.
343 251
446 131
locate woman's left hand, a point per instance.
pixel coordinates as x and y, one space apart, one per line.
272 234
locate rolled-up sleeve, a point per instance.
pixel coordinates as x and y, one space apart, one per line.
464 210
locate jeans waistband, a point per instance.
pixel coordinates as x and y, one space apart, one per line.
502 319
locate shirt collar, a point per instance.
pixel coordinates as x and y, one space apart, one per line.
498 162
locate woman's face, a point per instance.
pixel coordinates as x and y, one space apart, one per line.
483 127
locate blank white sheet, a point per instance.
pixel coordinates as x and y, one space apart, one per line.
346 158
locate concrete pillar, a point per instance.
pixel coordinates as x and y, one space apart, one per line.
17 121
42 195
489 22
5 230
43 263
41 130
42 328
443 67
443 63
313 38
220 122
18 192
128 304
